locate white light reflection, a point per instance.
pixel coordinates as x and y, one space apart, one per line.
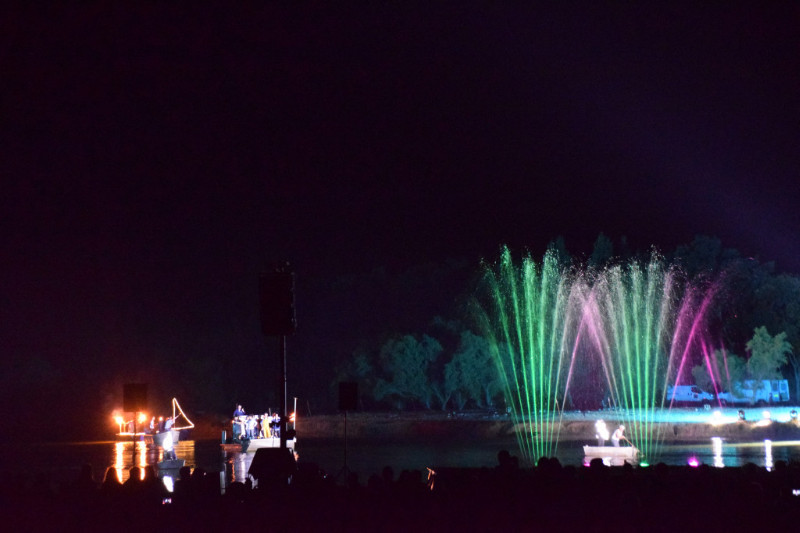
169 483
768 455
716 448
119 460
142 457
238 467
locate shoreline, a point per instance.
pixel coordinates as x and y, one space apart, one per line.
677 424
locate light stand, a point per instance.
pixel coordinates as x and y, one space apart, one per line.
344 472
282 390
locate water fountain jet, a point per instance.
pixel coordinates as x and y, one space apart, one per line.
554 329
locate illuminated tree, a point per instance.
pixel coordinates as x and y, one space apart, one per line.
478 371
405 362
726 369
731 372
767 354
777 306
359 369
558 249
602 252
701 257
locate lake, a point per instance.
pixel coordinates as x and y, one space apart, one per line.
62 461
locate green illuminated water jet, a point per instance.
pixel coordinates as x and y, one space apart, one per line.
528 325
632 323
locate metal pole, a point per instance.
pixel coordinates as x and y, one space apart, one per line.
133 458
282 390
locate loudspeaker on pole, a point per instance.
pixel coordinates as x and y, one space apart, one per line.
134 397
276 296
348 396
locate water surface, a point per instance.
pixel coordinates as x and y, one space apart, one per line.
62 461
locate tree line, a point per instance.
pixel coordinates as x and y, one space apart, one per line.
449 366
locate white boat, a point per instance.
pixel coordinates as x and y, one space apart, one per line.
180 422
620 452
159 438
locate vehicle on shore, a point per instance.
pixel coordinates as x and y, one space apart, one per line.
688 395
751 392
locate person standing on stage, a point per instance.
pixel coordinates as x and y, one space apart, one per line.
601 432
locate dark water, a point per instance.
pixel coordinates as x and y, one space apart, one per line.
62 461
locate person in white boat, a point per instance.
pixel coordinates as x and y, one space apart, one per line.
168 423
619 434
601 432
169 447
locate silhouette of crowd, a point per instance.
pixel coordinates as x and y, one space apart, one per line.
546 497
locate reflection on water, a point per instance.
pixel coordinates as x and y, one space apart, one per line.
716 452
137 453
768 455
716 446
720 454
236 466
128 453
63 461
230 467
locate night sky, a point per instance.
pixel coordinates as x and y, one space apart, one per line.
156 159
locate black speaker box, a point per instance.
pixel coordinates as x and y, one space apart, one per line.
276 296
348 396
134 397
273 466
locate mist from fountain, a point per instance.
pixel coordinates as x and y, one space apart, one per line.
554 330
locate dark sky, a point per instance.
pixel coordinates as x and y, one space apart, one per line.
155 159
